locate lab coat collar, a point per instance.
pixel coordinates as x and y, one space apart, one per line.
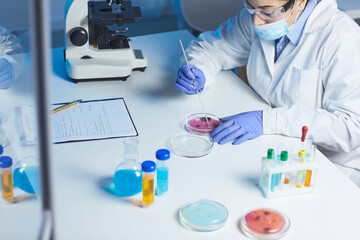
321 15
268 48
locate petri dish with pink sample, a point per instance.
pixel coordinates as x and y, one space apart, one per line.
265 223
201 123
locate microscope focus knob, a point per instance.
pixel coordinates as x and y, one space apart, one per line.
78 36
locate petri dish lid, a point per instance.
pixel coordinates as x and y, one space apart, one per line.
203 215
265 223
189 145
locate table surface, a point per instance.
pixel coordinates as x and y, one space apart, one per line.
229 174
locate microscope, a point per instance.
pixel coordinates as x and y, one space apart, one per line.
95 45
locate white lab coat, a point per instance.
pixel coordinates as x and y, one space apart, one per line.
316 83
12 52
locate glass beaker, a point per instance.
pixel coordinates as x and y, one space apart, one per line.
26 174
128 175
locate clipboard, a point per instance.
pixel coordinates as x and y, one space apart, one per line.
90 120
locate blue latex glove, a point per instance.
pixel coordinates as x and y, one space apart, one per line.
240 127
6 74
186 77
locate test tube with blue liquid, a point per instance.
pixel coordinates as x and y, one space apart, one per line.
280 148
162 172
270 157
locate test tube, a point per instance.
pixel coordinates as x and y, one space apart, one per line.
308 147
299 180
270 157
309 171
284 176
148 170
280 148
162 171
7 186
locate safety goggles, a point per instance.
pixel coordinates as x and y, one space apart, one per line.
270 14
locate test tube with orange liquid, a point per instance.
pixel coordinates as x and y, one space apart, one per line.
7 186
148 173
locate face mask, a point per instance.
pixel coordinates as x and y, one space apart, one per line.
273 31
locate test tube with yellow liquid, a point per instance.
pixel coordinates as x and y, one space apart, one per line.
7 186
148 173
302 155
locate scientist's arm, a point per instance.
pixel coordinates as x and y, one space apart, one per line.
336 127
226 48
11 58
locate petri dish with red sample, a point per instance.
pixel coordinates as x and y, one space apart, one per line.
265 223
201 123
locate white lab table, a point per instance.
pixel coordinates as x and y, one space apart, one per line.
352 7
229 174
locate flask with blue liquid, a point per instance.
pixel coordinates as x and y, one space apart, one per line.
26 174
162 171
128 175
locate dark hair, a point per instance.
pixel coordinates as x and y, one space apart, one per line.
288 5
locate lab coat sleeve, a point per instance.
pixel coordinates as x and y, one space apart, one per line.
11 50
225 48
335 127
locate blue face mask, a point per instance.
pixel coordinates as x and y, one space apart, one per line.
272 31
275 30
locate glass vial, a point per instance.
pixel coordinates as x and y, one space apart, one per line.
148 172
7 185
162 171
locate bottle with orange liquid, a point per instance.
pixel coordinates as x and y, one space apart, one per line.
7 186
148 176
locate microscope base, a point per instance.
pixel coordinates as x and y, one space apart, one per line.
107 79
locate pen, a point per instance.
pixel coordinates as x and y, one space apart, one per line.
66 106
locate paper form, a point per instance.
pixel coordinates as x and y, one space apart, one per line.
90 120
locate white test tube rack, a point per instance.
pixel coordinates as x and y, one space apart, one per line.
272 181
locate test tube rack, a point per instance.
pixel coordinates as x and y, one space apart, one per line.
295 177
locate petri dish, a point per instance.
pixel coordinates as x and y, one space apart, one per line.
265 223
203 215
189 145
197 124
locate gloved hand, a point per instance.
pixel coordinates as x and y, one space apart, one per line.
186 77
240 127
6 74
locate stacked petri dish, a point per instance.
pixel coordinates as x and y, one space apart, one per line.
196 141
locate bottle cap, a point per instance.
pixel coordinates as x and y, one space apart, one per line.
5 162
162 154
270 153
302 153
1 149
284 156
148 166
